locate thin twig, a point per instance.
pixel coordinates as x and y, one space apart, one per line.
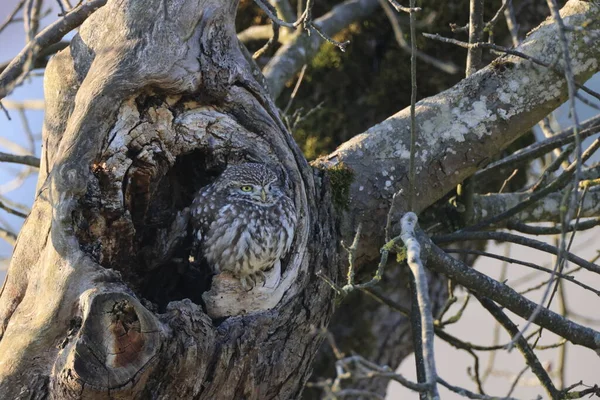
446 66
284 8
8 236
545 126
468 394
511 22
524 263
556 185
489 27
40 60
270 43
507 180
516 380
413 119
31 18
474 54
11 17
506 50
524 348
12 211
589 128
507 237
562 354
305 20
409 10
558 266
552 230
571 87
352 254
273 39
295 91
440 262
18 67
562 158
6 113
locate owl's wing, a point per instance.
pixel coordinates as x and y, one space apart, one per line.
202 216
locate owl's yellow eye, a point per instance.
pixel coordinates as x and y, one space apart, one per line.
246 188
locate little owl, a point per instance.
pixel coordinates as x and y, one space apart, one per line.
244 222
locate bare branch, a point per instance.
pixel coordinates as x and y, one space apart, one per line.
505 296
11 210
507 237
20 65
11 17
41 58
589 128
25 160
270 43
284 8
413 259
558 184
489 26
413 121
505 50
530 357
468 394
552 230
31 18
524 263
263 32
511 22
24 105
474 54
8 236
445 66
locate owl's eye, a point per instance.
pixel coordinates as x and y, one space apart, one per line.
246 188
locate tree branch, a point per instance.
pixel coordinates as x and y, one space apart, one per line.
530 357
506 297
588 128
517 239
482 114
21 64
26 160
544 210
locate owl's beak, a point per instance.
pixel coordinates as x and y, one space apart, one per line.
263 195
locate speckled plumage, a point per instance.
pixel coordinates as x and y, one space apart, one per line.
244 222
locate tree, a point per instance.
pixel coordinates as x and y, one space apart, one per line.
151 100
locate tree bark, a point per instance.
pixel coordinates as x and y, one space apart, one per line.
150 102
460 130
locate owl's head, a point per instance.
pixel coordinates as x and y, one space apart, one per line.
252 182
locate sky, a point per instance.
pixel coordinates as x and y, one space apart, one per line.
476 325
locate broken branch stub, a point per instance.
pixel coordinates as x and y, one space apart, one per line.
148 104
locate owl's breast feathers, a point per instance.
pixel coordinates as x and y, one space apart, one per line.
242 237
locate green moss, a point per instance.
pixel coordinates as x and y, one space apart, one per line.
341 177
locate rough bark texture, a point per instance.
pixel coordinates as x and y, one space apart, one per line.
149 103
462 128
460 131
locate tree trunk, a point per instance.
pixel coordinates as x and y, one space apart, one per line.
149 103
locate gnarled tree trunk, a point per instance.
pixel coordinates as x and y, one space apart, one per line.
152 100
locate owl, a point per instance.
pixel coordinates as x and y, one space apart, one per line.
244 222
